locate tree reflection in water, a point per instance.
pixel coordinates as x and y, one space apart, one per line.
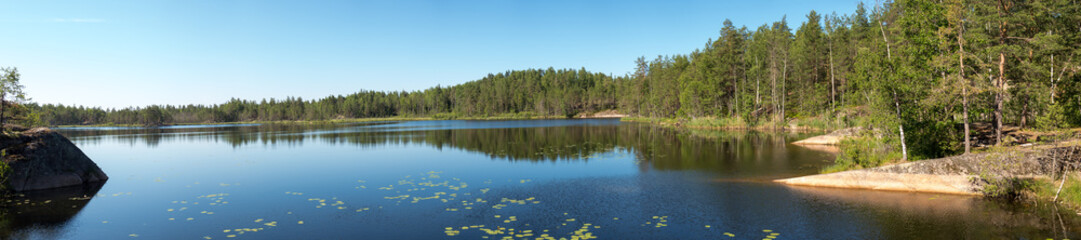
747 153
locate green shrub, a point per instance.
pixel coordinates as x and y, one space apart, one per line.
934 139
864 152
1009 188
1054 118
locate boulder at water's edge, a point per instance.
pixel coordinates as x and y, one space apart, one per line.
42 159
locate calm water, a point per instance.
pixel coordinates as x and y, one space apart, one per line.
484 179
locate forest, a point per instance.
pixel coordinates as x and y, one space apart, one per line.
931 69
538 92
924 72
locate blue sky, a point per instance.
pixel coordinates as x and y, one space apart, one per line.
136 53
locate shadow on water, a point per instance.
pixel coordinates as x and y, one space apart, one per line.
48 210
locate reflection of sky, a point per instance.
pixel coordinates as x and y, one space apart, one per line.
258 175
614 183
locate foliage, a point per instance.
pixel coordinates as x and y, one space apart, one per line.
935 139
29 118
1008 188
512 94
1056 118
1071 189
930 67
863 152
10 88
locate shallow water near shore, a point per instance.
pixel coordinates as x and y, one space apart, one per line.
485 179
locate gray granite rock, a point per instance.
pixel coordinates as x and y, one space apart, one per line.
42 159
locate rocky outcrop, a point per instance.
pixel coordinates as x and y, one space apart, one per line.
833 138
964 174
42 159
862 179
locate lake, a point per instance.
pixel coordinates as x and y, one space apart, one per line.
546 179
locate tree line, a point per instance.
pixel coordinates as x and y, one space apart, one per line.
539 92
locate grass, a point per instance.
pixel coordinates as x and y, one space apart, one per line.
1039 189
1071 190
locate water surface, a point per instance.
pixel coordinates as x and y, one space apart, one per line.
484 179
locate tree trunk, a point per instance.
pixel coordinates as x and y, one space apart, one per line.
3 95
743 63
799 85
757 83
882 27
964 84
833 87
900 127
1024 114
896 103
734 109
964 115
998 97
773 85
784 91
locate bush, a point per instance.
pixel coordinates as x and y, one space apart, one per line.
934 139
32 119
1008 188
1055 118
864 152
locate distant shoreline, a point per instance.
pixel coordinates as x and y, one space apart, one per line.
347 120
